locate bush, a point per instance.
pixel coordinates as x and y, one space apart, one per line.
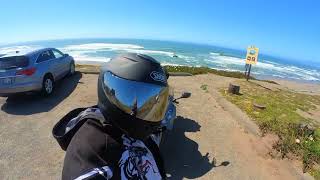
317 134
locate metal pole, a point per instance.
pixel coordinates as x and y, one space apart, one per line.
249 72
246 68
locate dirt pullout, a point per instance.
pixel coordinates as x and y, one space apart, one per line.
27 148
220 137
208 142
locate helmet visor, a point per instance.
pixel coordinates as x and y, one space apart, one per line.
142 100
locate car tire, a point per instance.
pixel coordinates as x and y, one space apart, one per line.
47 85
72 69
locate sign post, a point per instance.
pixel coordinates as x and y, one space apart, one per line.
251 58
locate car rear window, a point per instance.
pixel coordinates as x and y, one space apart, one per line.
13 62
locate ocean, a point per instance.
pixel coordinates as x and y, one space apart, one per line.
99 51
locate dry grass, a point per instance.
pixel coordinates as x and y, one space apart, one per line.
89 69
281 117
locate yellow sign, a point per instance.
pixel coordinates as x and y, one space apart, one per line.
252 55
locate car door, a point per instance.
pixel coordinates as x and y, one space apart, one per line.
45 63
61 62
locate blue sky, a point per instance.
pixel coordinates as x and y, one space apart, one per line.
286 28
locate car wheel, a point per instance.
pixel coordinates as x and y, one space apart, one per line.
47 86
72 69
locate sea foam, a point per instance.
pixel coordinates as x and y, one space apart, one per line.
96 47
12 49
99 46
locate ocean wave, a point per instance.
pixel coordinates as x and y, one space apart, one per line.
279 76
185 57
310 78
228 60
144 51
12 49
271 62
81 57
267 67
290 72
217 59
100 46
214 54
90 59
90 53
131 48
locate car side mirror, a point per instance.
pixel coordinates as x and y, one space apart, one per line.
66 55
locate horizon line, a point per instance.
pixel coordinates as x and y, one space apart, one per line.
151 39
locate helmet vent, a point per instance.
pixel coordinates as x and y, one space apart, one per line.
131 59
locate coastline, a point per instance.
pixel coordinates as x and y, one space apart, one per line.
299 86
99 50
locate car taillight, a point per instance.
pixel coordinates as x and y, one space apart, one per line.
27 72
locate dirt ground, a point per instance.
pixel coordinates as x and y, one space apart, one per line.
212 138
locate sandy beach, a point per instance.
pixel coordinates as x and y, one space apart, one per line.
301 87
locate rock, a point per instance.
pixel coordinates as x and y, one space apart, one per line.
259 106
306 129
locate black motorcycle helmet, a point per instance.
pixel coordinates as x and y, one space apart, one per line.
133 94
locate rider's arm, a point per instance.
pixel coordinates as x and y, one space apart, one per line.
91 154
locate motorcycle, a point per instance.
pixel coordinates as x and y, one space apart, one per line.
170 115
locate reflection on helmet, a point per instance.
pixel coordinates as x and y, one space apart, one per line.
145 101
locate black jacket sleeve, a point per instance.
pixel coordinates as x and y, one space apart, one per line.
91 148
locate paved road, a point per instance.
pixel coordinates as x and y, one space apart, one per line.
208 142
